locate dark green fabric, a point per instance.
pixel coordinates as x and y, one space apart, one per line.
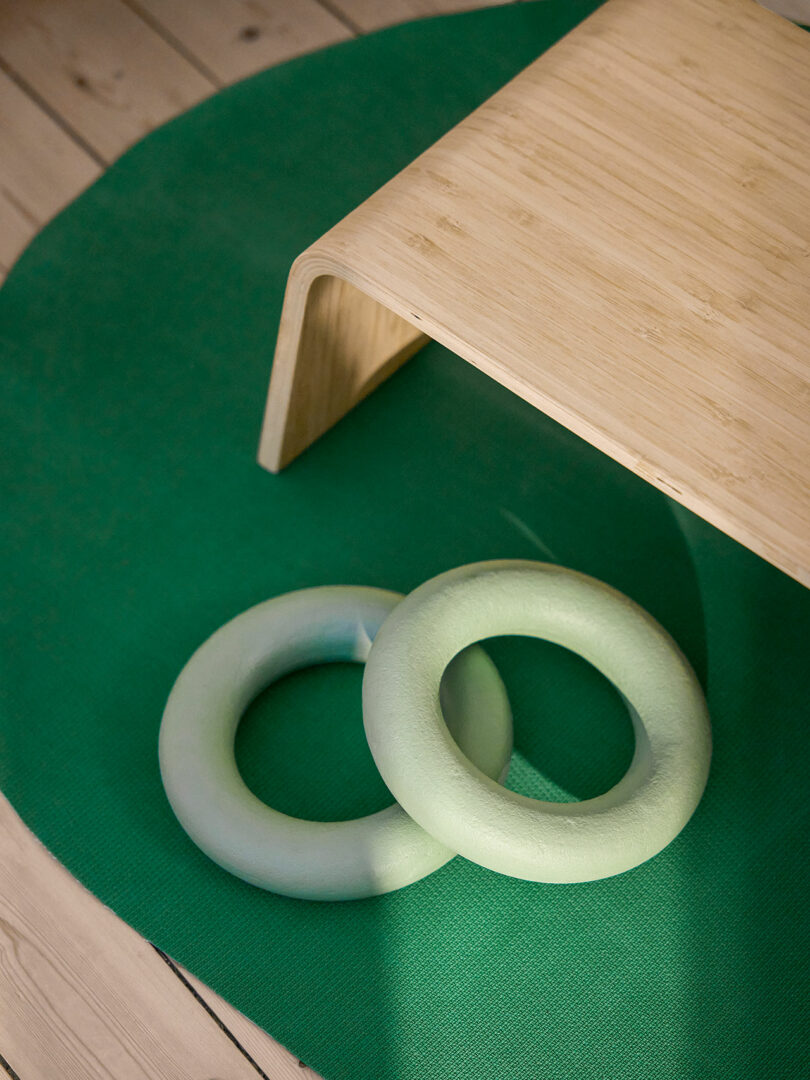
137 333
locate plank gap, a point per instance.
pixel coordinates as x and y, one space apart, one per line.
20 207
204 1004
341 16
106 71
9 1070
83 995
174 42
51 113
367 16
237 38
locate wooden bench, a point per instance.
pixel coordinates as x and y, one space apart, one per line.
621 235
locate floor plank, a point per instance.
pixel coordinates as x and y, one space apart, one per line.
41 169
100 66
366 15
235 38
256 1042
83 997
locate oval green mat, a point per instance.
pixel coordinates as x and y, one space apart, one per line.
136 336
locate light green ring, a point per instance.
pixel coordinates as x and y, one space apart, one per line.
315 860
469 812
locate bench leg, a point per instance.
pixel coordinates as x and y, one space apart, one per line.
335 345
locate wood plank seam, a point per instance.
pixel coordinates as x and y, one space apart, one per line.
51 113
237 38
42 167
204 1005
83 995
334 9
5 1065
101 66
174 42
32 219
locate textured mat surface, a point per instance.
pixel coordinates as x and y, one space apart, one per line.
136 336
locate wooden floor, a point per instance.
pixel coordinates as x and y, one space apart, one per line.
81 995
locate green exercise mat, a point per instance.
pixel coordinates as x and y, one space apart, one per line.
136 337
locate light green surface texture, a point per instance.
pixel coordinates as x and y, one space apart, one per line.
136 337
314 860
450 797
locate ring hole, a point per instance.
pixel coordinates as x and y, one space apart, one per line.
301 748
574 738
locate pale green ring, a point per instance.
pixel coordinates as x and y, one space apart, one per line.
314 860
469 812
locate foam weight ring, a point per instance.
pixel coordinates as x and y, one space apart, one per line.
469 812
314 860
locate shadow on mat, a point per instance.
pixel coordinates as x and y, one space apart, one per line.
422 950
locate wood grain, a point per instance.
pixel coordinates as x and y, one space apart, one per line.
342 345
366 15
621 236
97 63
235 38
276 1061
41 169
83 997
